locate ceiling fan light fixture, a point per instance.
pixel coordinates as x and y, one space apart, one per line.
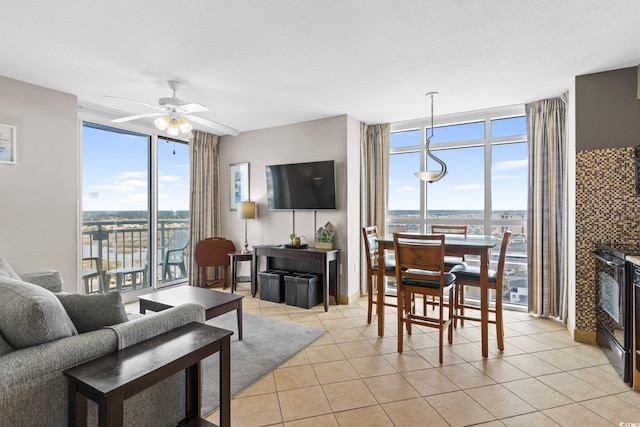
185 126
162 122
173 128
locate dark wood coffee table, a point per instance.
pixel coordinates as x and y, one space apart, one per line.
215 303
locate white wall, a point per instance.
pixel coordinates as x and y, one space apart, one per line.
325 139
38 208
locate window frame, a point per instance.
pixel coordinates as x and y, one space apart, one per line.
423 124
99 117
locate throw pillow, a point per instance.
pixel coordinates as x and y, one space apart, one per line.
94 311
31 315
7 271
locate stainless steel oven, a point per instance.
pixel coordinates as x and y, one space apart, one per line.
613 287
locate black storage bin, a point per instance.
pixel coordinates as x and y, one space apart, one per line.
290 288
272 285
303 290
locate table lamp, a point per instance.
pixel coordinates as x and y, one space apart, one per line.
246 210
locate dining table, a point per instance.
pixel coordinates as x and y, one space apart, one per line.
454 245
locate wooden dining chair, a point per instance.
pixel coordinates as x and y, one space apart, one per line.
420 270
470 276
449 261
370 236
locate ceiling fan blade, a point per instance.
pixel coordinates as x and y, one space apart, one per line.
137 116
214 125
135 102
193 107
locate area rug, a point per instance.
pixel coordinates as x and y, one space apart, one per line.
266 344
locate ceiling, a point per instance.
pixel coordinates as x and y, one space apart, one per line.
259 64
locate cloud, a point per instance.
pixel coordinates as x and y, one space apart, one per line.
168 178
133 174
408 188
510 164
504 177
116 187
466 187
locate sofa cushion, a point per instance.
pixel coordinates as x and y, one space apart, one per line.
5 347
7 271
31 315
95 311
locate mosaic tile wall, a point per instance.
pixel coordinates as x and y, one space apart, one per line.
607 210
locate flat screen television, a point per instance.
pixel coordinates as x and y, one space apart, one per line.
302 186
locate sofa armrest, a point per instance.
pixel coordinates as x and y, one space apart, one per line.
48 279
137 330
28 368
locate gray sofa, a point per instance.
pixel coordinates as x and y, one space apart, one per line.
33 390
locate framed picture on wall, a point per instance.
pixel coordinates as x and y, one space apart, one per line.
8 144
238 184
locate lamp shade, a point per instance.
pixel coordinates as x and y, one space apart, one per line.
247 210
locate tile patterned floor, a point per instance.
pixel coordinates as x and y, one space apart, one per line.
351 377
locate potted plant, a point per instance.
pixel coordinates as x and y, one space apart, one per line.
324 237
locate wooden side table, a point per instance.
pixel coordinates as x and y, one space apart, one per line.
113 378
235 258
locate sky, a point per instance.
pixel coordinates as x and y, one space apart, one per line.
115 172
463 186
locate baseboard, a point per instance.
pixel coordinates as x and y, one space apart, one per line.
345 299
587 337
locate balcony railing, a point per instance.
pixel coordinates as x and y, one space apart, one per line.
123 244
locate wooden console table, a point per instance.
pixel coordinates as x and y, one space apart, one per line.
111 379
309 260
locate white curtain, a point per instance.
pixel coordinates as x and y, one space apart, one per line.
374 178
547 211
205 194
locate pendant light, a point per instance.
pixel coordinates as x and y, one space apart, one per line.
432 176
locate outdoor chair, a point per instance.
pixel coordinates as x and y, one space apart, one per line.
173 254
93 270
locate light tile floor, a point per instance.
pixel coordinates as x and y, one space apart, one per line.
351 377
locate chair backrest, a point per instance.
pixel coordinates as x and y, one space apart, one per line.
422 252
503 255
449 229
179 240
370 236
174 251
213 252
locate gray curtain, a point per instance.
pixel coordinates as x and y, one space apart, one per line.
547 216
374 178
205 194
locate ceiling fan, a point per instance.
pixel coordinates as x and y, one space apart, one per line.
174 114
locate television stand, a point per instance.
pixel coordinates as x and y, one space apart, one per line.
322 262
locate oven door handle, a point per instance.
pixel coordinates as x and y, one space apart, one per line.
597 256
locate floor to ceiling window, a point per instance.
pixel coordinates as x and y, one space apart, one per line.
485 187
135 210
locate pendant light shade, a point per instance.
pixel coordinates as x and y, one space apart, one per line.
432 176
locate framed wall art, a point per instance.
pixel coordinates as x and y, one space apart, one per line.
8 144
238 184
